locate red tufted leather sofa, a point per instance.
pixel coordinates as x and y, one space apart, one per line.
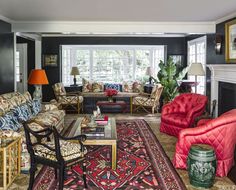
220 133
181 112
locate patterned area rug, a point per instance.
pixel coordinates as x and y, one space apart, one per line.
141 164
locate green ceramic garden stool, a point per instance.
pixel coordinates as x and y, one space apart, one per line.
201 165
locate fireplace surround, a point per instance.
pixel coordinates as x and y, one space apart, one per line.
220 74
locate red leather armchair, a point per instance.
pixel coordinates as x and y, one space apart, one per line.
220 133
181 112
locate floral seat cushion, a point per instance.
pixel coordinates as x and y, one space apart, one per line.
70 99
69 150
50 117
145 101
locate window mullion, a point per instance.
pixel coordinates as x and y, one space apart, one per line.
134 64
91 59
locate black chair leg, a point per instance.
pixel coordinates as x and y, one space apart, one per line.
84 174
61 178
55 170
33 168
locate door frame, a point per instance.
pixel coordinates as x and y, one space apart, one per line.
22 47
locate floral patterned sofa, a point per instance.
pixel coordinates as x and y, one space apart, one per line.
16 108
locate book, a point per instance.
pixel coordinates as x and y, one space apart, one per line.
102 120
93 131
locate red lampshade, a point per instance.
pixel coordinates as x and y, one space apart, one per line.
38 76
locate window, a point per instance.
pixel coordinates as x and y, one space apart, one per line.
17 66
197 54
110 63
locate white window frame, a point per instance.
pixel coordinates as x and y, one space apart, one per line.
195 42
133 48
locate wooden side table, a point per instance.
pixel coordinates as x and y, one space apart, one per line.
10 160
74 88
148 88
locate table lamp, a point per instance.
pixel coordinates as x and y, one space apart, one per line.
74 71
149 73
196 69
38 78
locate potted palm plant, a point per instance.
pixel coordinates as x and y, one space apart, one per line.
169 77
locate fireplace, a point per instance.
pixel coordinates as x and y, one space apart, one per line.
226 97
223 90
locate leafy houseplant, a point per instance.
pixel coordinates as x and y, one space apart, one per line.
168 76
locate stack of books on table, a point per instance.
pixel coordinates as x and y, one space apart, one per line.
93 131
103 120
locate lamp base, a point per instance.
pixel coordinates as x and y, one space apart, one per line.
38 92
75 81
150 80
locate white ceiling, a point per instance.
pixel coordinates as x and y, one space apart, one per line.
117 10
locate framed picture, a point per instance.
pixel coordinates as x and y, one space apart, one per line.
230 41
177 59
50 60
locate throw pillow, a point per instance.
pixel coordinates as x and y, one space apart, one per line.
27 96
35 106
97 87
87 86
9 122
127 87
5 106
22 113
137 87
113 86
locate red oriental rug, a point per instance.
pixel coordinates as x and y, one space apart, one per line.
141 164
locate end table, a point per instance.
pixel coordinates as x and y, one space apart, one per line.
10 160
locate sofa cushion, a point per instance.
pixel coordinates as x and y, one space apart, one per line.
177 119
27 96
5 106
98 87
49 118
115 86
9 122
69 150
59 89
145 101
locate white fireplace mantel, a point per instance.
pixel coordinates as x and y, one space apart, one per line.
221 73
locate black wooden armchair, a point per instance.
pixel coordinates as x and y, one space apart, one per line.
59 153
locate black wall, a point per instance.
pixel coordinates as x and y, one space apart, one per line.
51 45
5 27
30 57
6 58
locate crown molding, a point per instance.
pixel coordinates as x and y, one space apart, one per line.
227 17
113 27
3 18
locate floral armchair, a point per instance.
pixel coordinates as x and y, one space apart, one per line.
66 100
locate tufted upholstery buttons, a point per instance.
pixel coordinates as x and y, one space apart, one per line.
181 112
